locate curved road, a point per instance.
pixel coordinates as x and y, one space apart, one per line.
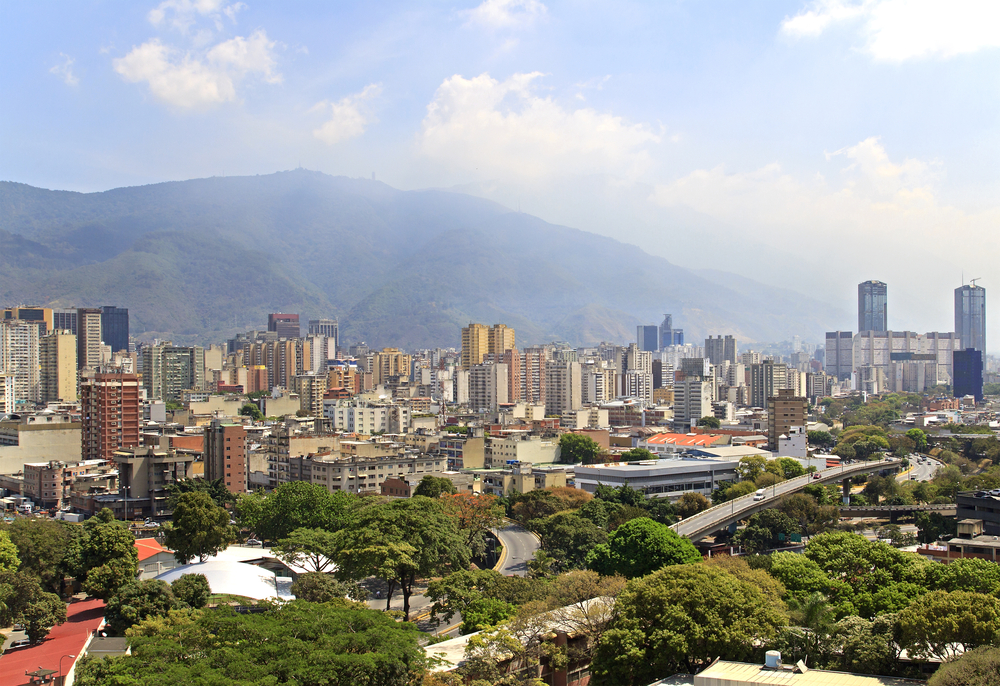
714 518
519 547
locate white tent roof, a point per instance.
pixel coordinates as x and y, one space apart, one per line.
233 578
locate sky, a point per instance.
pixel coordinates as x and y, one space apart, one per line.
811 145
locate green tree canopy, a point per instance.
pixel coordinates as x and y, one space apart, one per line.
680 618
192 589
400 541
317 587
577 448
222 496
9 561
766 529
296 505
637 455
252 411
312 549
821 438
919 439
297 643
641 546
47 549
710 421
199 528
941 620
751 467
691 504
137 601
109 556
568 538
435 486
978 667
23 600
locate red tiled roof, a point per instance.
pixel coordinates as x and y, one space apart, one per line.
685 439
148 547
82 619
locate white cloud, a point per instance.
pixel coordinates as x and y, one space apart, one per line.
64 70
504 127
184 13
349 116
190 80
897 30
507 14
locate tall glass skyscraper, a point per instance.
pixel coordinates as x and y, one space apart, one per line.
872 310
114 327
970 316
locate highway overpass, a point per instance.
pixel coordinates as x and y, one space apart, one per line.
722 516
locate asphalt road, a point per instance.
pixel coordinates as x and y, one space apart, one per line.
519 547
922 471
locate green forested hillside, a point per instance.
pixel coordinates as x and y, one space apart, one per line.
199 260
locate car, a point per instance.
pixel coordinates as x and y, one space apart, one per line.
817 475
19 643
760 494
253 542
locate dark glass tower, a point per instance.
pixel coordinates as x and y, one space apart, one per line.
872 310
114 327
967 368
970 316
647 337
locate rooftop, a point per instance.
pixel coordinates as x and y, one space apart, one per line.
724 673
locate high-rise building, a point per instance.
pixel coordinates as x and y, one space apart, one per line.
563 391
479 340
88 338
111 413
872 306
500 339
766 379
970 316
968 373
311 388
7 405
784 410
114 327
65 318
226 454
488 385
326 327
533 363
647 337
285 325
668 334
719 349
19 356
692 401
57 355
391 364
169 370
40 315
839 354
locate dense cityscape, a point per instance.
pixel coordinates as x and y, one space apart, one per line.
522 508
499 343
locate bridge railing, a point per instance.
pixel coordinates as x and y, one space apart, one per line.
745 502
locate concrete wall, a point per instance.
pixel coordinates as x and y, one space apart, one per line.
40 444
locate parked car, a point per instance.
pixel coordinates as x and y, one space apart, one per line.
253 542
19 643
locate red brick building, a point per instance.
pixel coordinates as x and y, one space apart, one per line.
226 454
111 414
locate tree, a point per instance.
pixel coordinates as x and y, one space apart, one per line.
9 561
136 602
821 438
919 439
978 667
790 467
317 587
576 448
568 538
970 574
802 577
300 643
312 549
435 486
941 621
485 613
680 618
40 614
934 526
863 646
252 411
637 455
400 541
751 467
199 528
296 505
216 488
475 516
710 422
109 556
766 529
455 592
691 504
23 600
192 589
641 546
42 546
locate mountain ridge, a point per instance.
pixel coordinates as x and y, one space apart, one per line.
201 259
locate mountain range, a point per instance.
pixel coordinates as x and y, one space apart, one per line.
197 261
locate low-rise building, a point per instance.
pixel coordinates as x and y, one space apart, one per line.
38 437
52 483
145 473
523 478
660 478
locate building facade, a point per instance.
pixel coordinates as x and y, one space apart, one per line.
226 455
88 338
57 355
114 327
970 317
785 410
873 311
19 357
111 414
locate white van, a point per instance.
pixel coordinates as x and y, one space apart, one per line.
759 495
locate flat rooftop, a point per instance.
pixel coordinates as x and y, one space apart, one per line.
724 673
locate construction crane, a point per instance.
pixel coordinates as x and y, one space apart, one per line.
973 281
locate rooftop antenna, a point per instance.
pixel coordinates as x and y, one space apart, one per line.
973 281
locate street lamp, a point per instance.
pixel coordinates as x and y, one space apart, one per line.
60 662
